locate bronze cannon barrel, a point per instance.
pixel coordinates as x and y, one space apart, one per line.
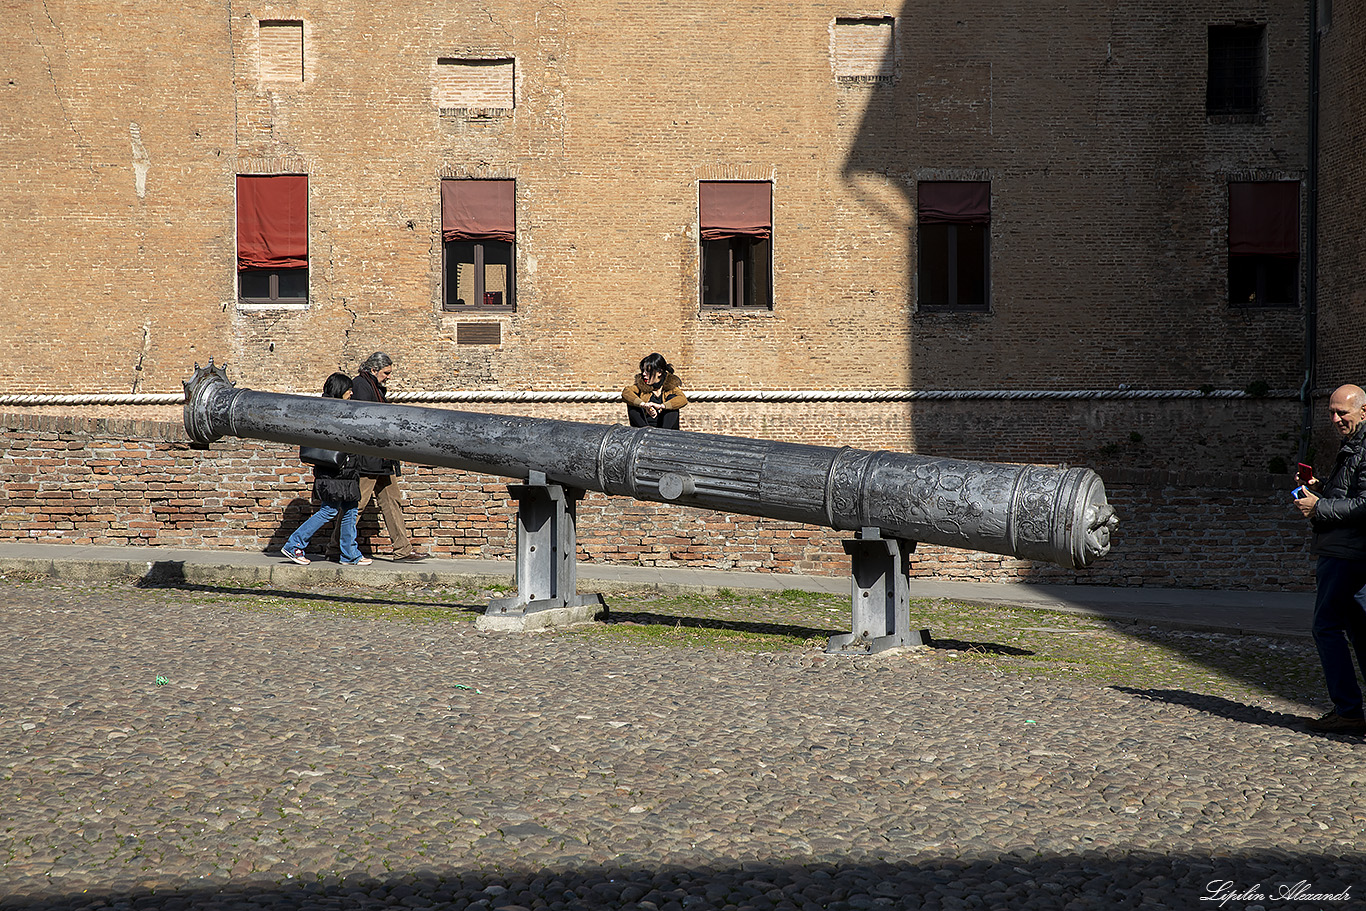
1037 512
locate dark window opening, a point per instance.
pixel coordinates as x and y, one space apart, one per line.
1264 243
479 233
953 267
1263 281
273 286
953 238
1234 85
735 272
479 274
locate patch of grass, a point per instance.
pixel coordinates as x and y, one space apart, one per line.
749 620
1063 645
694 635
783 609
995 639
406 612
401 603
797 597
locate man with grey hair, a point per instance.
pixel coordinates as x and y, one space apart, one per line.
1336 510
379 477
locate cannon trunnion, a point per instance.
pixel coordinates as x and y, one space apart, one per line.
1053 514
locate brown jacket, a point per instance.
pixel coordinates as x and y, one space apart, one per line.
670 392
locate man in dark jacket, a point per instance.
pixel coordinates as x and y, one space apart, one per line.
379 477
1337 513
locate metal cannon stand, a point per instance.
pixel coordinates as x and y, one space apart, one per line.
547 568
547 576
880 592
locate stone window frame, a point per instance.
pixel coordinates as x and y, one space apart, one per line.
479 250
272 301
929 238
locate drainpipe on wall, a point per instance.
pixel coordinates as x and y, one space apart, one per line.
1311 282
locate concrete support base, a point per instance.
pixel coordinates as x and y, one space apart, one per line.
590 608
547 577
880 593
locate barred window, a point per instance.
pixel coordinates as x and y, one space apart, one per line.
1235 69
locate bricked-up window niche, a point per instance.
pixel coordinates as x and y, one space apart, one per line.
736 222
1264 243
862 50
272 239
1236 55
474 84
479 235
282 50
953 237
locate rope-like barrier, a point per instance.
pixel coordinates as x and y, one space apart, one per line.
152 398
705 395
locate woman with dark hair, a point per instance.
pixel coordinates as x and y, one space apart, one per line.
379 477
337 488
655 396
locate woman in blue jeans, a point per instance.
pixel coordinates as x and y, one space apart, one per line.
338 489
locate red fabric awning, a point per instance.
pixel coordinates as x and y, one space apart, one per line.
954 202
272 222
479 210
735 208
1264 218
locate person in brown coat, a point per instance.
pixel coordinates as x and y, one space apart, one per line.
379 477
655 397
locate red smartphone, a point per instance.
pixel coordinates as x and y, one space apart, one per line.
1306 473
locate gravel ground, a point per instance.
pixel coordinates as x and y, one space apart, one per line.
168 749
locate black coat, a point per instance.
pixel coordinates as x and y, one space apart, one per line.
1339 517
365 388
340 484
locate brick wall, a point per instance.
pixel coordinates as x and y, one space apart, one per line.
111 482
1342 197
124 135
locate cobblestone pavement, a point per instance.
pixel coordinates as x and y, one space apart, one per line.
160 750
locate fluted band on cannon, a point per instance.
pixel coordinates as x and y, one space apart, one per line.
1054 514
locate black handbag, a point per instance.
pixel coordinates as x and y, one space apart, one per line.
314 455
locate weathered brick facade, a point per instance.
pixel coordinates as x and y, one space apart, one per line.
125 133
125 127
1342 197
88 481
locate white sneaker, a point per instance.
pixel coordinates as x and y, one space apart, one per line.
297 556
